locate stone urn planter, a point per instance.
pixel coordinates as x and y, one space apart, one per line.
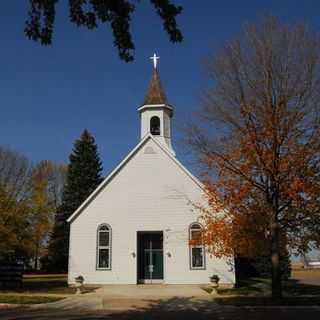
214 280
79 284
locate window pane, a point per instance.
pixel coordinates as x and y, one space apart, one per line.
197 257
196 235
104 228
103 238
157 241
103 258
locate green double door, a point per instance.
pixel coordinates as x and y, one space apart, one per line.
150 257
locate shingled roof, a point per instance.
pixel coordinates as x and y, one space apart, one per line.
155 93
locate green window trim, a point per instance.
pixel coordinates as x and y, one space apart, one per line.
104 250
197 254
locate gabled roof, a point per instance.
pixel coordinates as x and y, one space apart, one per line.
155 93
122 164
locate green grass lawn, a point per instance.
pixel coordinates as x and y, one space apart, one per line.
262 287
37 289
40 288
267 301
49 283
26 299
257 292
43 284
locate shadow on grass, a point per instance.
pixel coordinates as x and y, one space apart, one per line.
26 299
262 287
43 284
268 301
46 283
56 284
295 288
249 287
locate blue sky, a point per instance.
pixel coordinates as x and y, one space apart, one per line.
48 95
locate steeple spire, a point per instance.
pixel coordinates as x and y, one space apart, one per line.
155 112
155 93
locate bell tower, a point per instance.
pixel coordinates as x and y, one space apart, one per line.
155 112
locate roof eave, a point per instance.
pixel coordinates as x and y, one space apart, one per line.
155 106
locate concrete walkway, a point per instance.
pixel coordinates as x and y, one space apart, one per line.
128 297
151 291
156 302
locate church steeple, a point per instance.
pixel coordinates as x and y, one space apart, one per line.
155 93
155 112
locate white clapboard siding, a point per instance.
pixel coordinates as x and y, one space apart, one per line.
150 192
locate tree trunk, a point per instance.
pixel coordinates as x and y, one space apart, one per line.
36 256
275 259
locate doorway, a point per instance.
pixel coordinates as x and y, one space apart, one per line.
150 256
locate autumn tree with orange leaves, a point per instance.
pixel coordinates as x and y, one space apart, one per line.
258 143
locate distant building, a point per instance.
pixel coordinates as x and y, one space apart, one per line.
308 260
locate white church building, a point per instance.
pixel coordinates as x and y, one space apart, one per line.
137 225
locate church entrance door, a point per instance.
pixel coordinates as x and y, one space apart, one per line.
150 256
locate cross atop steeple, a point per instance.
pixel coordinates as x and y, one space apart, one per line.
154 58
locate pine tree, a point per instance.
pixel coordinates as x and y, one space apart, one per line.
84 175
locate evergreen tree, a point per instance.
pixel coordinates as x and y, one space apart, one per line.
84 175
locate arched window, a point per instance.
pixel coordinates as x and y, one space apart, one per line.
155 126
104 247
196 247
